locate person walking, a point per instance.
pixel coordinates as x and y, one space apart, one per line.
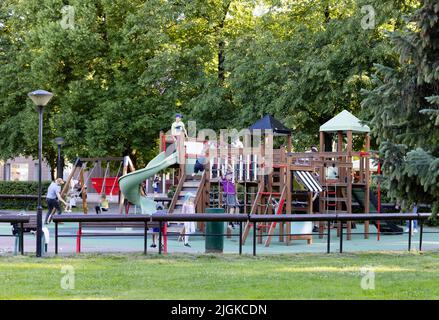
53 198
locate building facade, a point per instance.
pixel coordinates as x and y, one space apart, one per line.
23 169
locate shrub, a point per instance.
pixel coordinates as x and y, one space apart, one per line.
21 188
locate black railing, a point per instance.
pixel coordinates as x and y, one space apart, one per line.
162 217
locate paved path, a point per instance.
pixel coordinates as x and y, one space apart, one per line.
135 244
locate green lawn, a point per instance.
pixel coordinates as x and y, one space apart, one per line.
298 276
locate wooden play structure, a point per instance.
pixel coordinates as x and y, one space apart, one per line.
267 179
276 180
106 185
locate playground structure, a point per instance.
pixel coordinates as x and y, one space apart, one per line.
270 180
107 185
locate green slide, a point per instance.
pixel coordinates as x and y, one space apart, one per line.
129 184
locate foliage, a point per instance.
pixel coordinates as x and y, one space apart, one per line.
20 188
404 110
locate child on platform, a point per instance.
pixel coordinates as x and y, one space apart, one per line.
177 127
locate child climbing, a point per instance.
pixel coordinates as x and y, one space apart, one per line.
201 160
188 208
229 191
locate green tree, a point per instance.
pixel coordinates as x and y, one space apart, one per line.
405 112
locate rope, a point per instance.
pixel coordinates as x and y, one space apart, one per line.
88 177
105 177
114 182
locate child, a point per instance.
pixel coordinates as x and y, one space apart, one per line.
229 190
188 208
178 127
415 222
103 205
69 200
159 207
201 159
155 184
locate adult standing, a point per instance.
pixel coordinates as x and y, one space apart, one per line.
53 198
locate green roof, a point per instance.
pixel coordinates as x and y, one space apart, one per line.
344 121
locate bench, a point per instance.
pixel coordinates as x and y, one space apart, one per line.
106 225
18 220
31 227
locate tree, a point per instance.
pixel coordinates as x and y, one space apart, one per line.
404 109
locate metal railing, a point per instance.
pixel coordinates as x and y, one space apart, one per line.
162 217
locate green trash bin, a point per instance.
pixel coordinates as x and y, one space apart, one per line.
214 231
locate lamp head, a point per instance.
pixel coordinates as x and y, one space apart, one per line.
40 97
59 141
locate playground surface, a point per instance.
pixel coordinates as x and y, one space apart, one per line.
390 275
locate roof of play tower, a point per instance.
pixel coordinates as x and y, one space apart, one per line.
270 123
344 121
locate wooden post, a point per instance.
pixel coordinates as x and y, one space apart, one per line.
341 175
289 144
83 191
282 185
289 198
124 172
322 141
349 181
367 186
69 178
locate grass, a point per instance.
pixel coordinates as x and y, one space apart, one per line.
293 276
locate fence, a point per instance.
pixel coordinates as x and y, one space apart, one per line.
162 218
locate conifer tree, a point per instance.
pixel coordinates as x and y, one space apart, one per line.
404 108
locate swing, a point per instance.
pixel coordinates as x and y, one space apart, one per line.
102 185
88 176
115 181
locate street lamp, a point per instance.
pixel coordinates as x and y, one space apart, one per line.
60 142
40 98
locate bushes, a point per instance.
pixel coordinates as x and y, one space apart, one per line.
21 188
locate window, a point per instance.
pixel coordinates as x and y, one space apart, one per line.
19 172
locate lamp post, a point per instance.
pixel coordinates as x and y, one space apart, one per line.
60 164
40 98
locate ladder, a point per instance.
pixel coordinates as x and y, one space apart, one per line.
278 210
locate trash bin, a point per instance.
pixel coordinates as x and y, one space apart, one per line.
214 232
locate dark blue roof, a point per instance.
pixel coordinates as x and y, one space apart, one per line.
270 123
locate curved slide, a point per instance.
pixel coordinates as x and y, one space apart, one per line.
130 183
